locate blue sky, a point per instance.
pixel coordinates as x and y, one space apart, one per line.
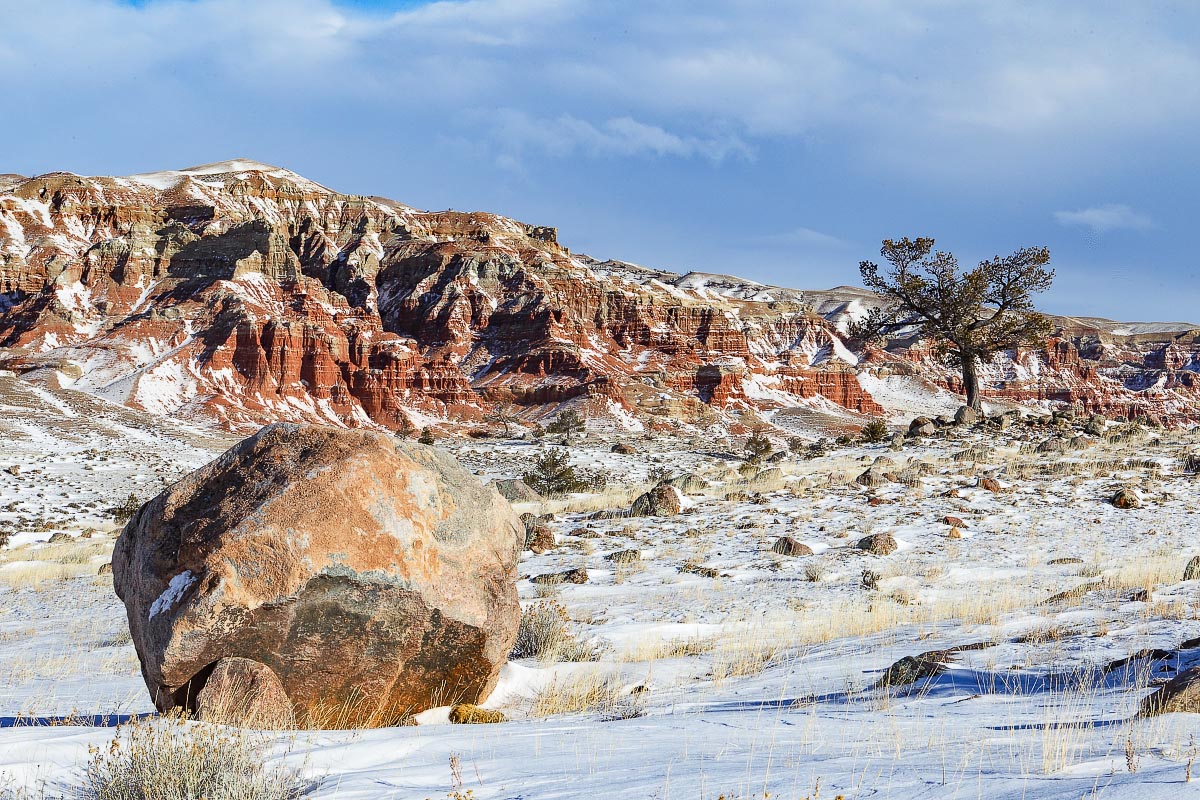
775 140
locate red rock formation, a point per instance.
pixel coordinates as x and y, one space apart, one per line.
247 293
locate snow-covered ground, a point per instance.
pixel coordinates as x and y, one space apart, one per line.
728 670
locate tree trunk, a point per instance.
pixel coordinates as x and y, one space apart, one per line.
970 378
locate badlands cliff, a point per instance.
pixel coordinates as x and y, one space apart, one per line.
243 293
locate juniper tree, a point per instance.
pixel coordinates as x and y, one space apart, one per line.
969 315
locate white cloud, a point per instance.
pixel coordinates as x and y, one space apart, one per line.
805 237
1109 217
930 87
566 135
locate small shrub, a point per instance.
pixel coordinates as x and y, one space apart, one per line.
546 633
875 431
758 448
127 508
553 476
870 579
814 573
844 440
426 436
567 423
173 760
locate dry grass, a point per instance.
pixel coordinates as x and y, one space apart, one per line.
579 694
658 649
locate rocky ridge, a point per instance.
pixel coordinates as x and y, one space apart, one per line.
244 293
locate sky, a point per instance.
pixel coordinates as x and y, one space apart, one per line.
775 140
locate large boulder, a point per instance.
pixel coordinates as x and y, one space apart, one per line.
372 577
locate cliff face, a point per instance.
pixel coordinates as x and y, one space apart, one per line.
246 293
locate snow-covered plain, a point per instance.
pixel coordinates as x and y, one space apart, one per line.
732 671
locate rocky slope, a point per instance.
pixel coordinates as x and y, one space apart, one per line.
245 293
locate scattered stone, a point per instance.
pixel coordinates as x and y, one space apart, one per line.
1054 444
878 544
702 571
990 484
539 538
871 478
663 500
787 546
922 426
468 714
1096 425
1126 498
1192 571
413 577
623 449
966 416
953 522
624 557
688 483
58 538
578 575
516 490
1180 694
239 691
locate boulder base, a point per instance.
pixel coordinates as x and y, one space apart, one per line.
373 578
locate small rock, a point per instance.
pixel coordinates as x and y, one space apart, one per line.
57 538
871 478
966 416
578 575
539 538
990 484
702 571
953 522
15 469
243 692
787 546
688 483
1180 694
467 714
922 426
1192 571
954 533
878 544
624 557
1126 498
516 490
105 569
624 449
663 500
1053 445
